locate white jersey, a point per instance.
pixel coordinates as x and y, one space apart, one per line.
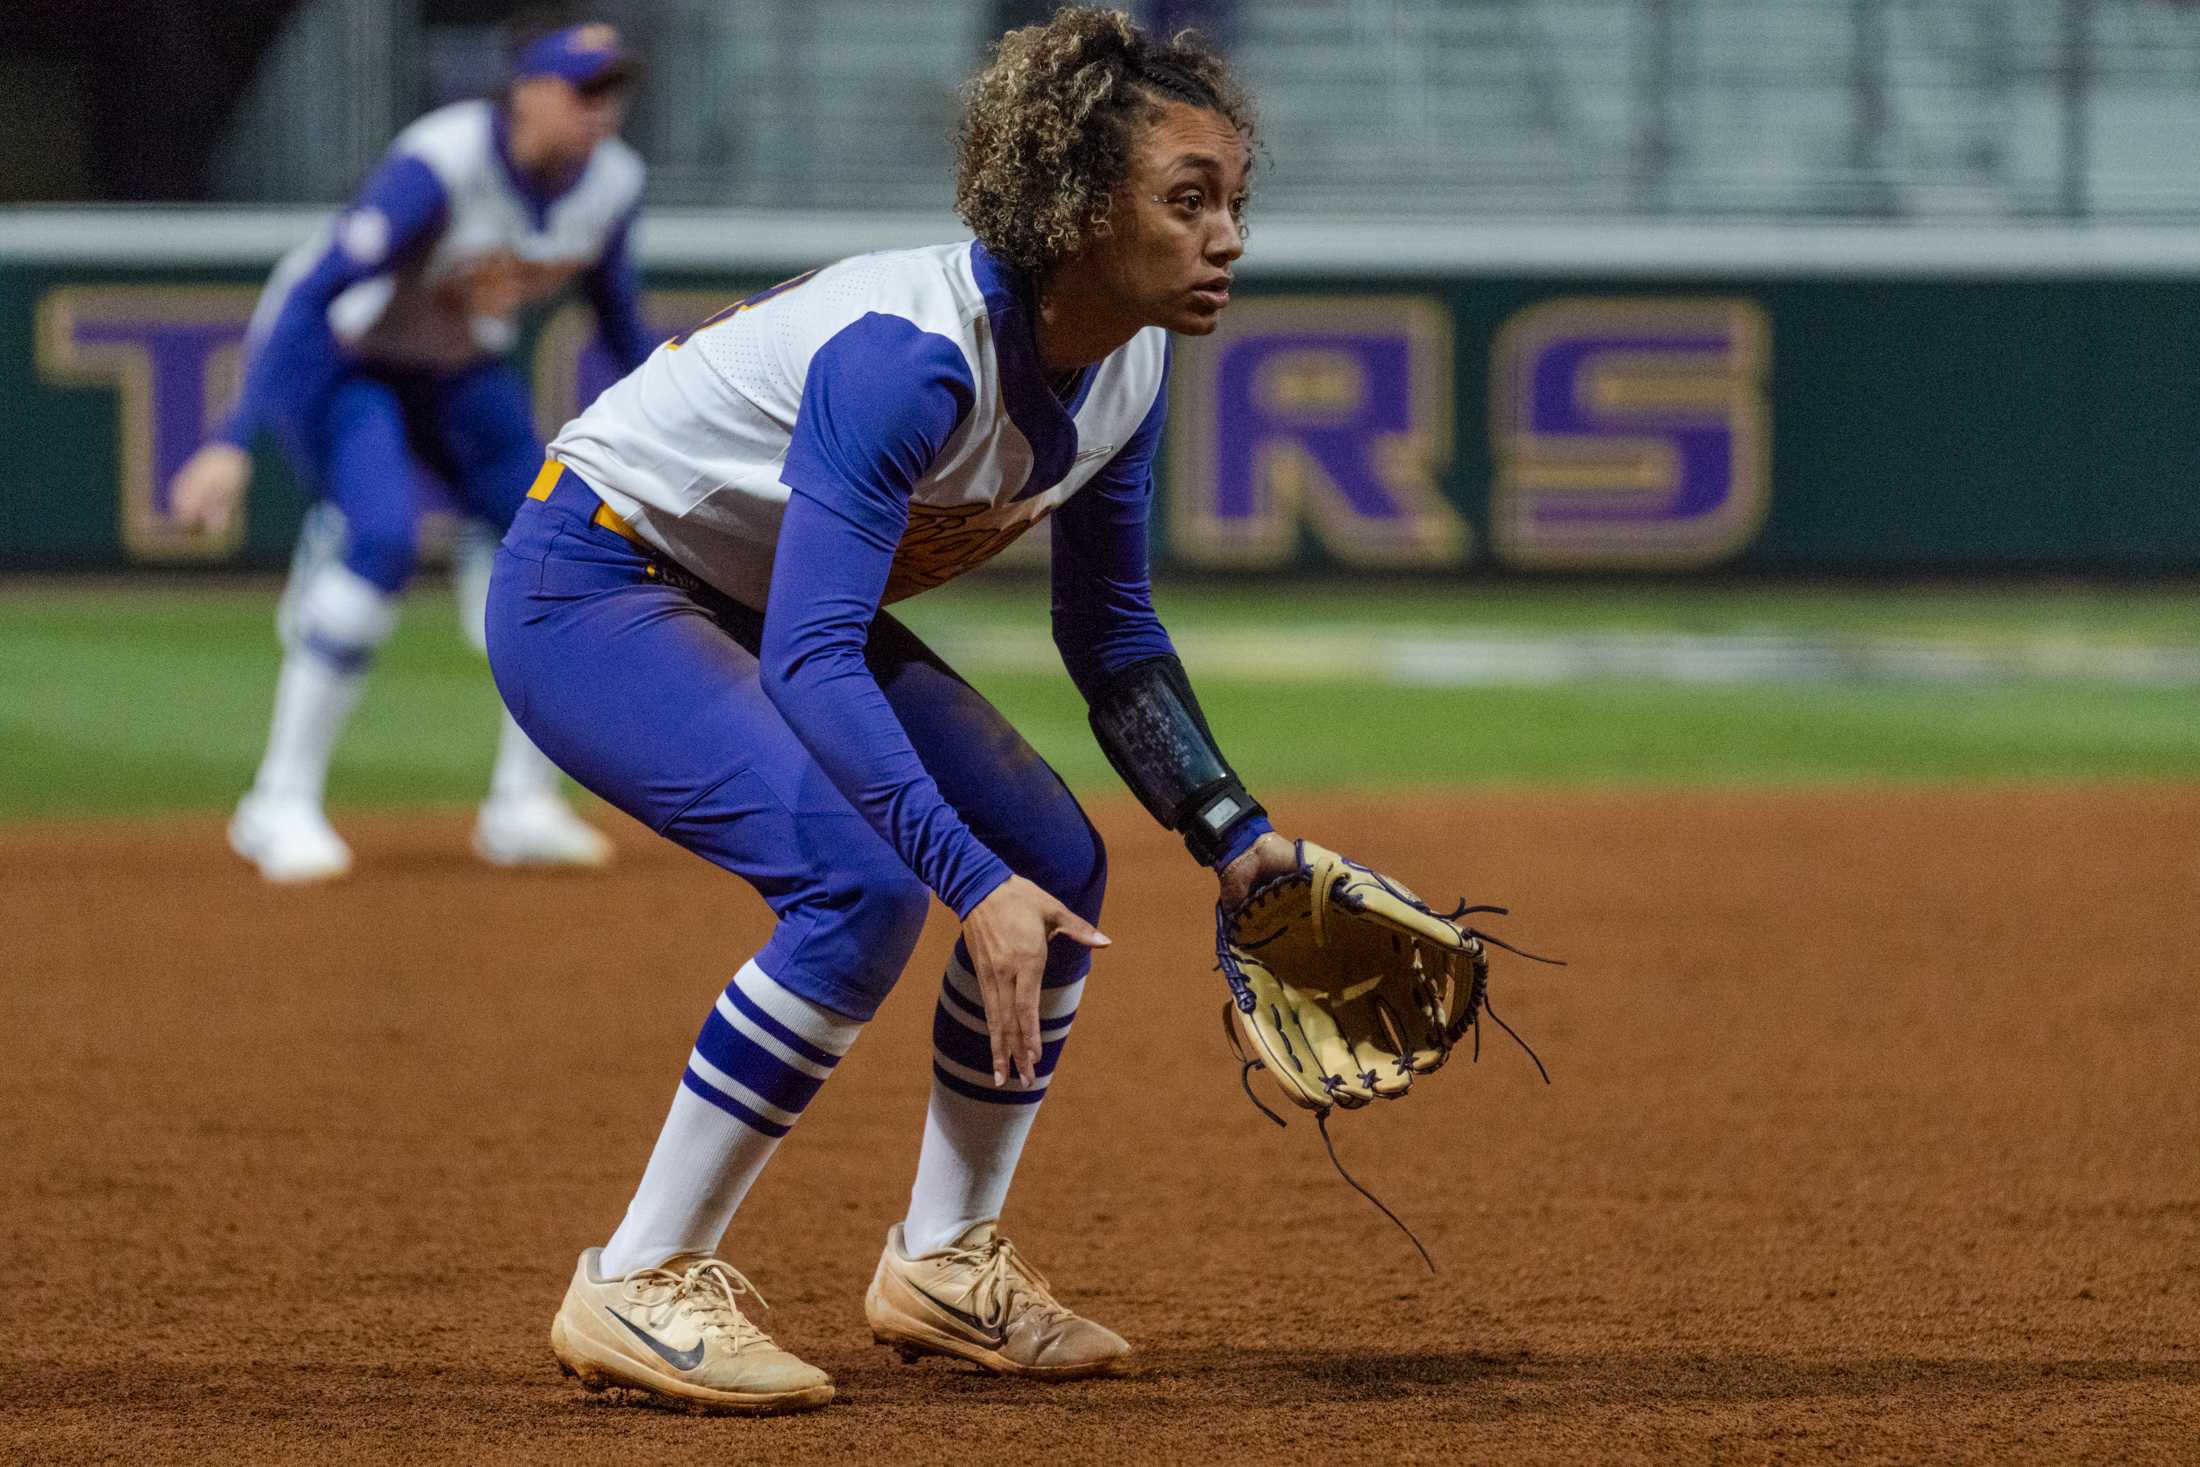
500 246
693 449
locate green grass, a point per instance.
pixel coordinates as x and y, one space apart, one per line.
119 698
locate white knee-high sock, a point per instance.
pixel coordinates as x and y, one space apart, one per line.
973 1130
761 1056
334 626
522 771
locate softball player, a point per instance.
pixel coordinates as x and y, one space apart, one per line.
686 616
378 347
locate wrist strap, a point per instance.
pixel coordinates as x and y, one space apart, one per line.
1154 734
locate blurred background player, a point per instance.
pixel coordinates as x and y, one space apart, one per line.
377 358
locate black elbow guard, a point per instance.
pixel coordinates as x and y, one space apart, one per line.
1150 727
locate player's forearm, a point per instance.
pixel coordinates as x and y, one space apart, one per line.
298 359
1155 735
614 292
825 591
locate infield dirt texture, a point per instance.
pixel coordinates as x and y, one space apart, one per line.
1875 1135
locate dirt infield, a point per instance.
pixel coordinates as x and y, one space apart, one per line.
1875 1135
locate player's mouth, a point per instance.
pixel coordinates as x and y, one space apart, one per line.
1213 294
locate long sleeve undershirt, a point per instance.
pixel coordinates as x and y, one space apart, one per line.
397 215
880 401
614 293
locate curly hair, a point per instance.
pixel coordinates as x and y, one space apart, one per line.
1047 124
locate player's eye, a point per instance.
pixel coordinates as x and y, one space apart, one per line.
1191 201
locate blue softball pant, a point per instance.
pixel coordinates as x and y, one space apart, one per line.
367 437
649 694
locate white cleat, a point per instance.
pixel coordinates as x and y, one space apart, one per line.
978 1300
537 830
678 1332
289 840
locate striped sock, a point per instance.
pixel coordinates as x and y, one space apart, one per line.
974 1132
761 1056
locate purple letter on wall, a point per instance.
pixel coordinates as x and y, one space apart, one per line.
173 355
1316 415
1629 432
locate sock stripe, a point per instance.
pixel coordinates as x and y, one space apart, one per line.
348 658
975 1010
767 1075
732 1107
960 1045
831 1032
733 1089
974 1020
1056 1005
986 1092
960 1015
771 1027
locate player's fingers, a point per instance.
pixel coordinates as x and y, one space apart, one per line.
1076 928
996 995
186 503
1028 988
198 504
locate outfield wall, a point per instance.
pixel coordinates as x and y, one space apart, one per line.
1443 401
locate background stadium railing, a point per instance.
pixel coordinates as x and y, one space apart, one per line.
1956 109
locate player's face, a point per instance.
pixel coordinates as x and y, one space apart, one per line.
572 121
1178 221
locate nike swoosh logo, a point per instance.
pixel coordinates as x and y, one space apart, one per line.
686 1359
993 1335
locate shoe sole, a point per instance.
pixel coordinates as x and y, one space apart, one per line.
511 861
597 1374
913 1340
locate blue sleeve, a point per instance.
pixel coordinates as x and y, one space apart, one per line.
1103 595
881 400
614 291
1103 590
397 214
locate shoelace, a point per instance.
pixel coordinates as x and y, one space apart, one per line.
1003 1278
711 1288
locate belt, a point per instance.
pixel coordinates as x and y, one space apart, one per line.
555 480
605 515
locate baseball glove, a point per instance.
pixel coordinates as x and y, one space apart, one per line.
1345 985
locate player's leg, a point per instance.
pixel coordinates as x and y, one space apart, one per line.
482 431
655 703
337 610
947 1281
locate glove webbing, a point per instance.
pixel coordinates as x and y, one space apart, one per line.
1478 1003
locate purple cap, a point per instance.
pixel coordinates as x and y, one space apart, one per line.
582 54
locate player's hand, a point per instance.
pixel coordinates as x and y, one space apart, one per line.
1269 856
1007 935
205 492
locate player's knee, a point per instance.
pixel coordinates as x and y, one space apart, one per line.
886 917
383 551
1072 864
